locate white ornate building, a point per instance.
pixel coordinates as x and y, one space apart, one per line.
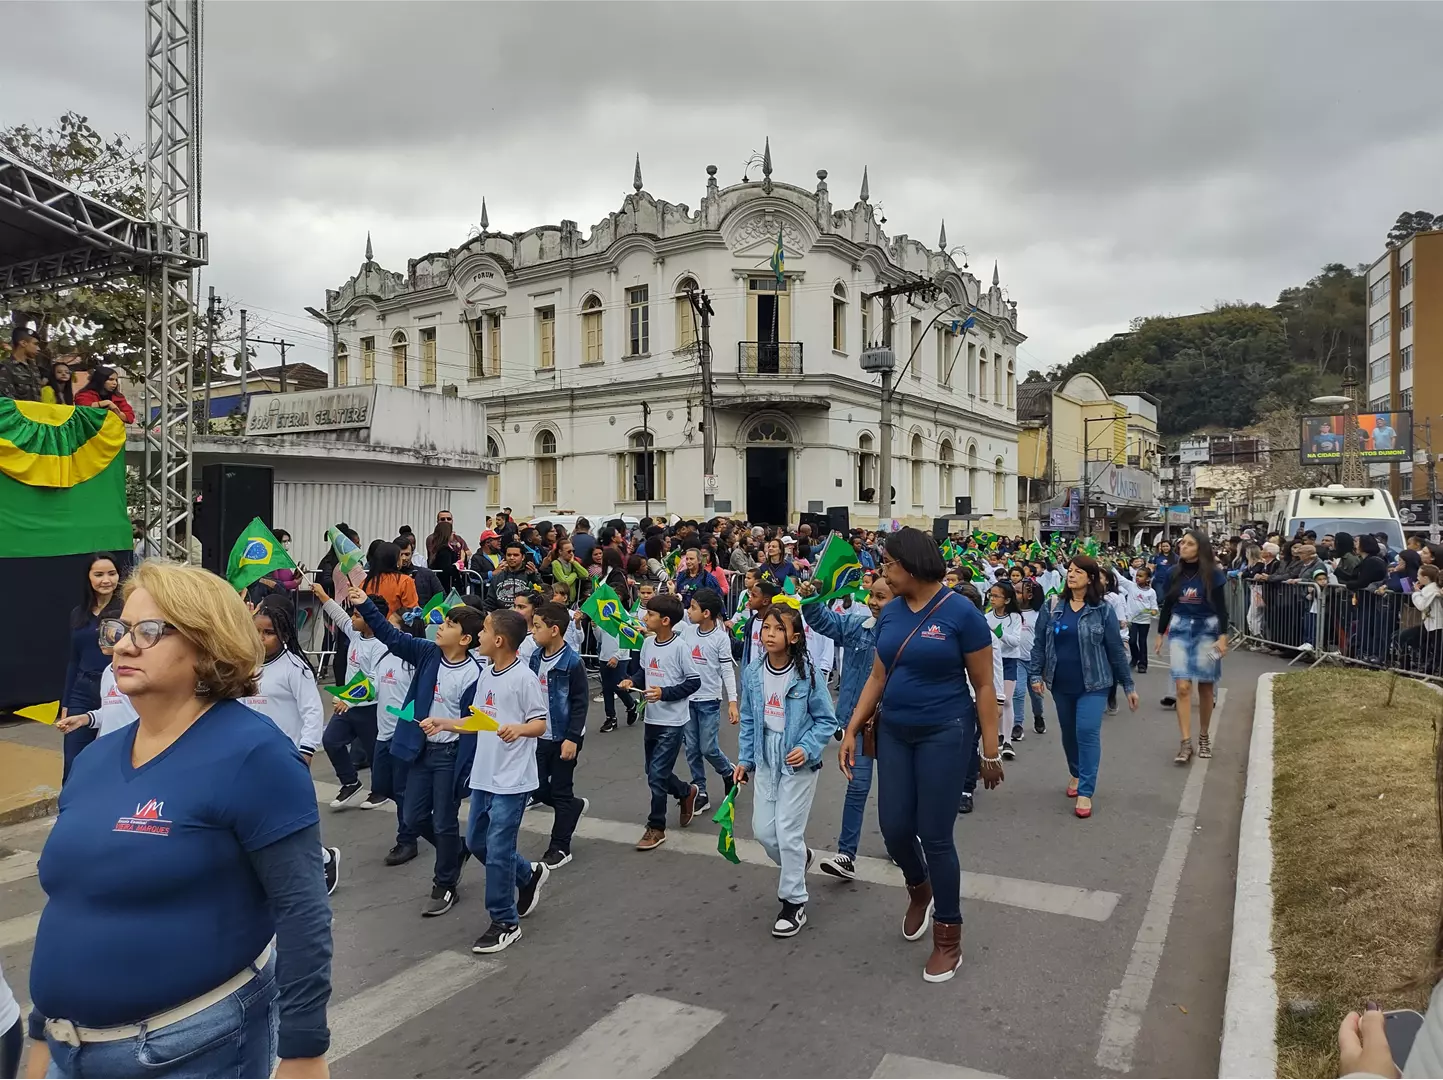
585 350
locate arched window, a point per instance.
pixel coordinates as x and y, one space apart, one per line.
916 470
591 340
686 320
974 477
493 482
343 364
398 358
641 471
999 376
866 468
546 467
982 380
999 487
944 474
768 431
1011 383
839 317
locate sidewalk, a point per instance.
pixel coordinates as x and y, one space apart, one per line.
30 761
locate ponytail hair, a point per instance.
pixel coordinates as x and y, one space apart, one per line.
281 612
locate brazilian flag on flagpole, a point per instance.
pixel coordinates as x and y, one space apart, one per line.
256 553
779 260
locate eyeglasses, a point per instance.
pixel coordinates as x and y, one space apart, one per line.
144 634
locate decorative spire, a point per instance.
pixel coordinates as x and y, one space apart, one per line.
767 166
864 183
996 278
942 238
636 179
369 257
485 220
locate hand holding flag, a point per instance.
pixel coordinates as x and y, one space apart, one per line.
478 721
726 816
348 558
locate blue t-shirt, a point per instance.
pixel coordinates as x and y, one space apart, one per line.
930 686
1067 676
152 898
1192 597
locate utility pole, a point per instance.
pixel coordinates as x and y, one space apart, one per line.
283 346
245 361
646 457
1433 532
209 353
701 305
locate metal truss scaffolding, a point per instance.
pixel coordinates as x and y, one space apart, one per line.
54 237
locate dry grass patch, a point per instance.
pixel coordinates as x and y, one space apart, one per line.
1356 862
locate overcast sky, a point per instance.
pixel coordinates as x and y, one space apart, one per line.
1117 160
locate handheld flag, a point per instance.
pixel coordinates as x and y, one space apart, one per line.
779 259
997 631
603 607
348 556
434 613
726 817
407 713
256 553
479 721
839 571
47 713
358 691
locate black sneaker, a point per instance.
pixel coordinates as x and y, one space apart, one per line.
630 717
703 802
1007 751
533 802
585 807
333 869
1039 724
840 866
401 853
375 802
529 896
1017 733
348 794
965 805
839 733
555 859
496 938
811 858
442 901
608 725
790 920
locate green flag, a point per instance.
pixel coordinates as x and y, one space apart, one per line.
256 553
839 571
726 817
603 607
779 259
358 691
434 613
997 631
348 556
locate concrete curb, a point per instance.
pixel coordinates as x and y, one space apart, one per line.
1250 1016
43 805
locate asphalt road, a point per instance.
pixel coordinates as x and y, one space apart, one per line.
1091 948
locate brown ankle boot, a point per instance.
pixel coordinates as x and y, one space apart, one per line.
919 911
946 955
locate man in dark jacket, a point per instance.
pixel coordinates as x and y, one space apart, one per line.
20 376
511 579
427 583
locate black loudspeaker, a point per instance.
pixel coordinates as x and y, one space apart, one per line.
940 528
963 506
840 520
230 496
819 523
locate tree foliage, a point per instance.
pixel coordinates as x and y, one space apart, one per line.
1410 222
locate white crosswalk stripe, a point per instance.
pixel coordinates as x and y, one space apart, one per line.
18 866
14 931
640 1037
900 1065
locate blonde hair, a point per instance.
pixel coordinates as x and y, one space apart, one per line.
212 617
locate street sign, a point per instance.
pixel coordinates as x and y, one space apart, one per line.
710 485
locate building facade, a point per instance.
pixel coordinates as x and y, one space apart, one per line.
587 348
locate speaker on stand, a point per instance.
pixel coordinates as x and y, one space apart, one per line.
231 495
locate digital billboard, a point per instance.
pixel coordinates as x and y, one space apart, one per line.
1382 436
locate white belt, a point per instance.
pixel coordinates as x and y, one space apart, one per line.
73 1035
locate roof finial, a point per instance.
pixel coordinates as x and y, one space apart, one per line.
996 278
485 221
864 183
767 158
942 238
636 180
368 246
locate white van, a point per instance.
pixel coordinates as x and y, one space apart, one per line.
1334 509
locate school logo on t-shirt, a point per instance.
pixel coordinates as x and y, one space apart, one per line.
490 700
697 655
389 676
355 657
113 694
147 819
655 664
935 633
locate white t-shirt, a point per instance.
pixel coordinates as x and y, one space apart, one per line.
527 649
774 695
452 681
393 682
711 653
664 665
289 696
9 1007
512 695
821 650
115 710
362 653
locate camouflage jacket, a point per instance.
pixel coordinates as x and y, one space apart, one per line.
20 381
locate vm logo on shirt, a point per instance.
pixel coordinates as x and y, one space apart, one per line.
935 633
147 819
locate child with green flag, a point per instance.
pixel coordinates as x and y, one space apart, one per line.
352 722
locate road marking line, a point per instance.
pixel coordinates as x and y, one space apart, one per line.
1014 892
640 1037
14 931
1127 1004
380 1009
900 1066
18 866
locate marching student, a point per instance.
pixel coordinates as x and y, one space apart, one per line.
1004 619
502 776
615 664
759 597
562 678
1139 617
786 722
350 723
438 760
525 605
711 653
286 692
669 677
388 772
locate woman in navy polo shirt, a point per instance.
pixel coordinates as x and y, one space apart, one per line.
930 644
187 931
87 662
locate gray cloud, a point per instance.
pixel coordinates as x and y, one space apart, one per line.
1117 159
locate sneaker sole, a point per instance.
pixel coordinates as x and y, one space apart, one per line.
429 914
927 976
793 932
832 869
536 892
335 867
560 862
376 805
926 924
651 847
339 804
500 946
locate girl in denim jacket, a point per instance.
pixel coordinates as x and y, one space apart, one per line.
786 722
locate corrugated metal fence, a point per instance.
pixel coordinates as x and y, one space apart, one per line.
306 510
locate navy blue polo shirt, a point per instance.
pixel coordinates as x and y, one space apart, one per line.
930 684
152 898
1067 675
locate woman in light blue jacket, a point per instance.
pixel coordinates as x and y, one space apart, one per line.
786 722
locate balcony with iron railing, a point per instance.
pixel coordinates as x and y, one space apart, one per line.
769 357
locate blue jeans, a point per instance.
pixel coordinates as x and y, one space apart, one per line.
433 809
491 837
702 739
854 807
344 728
1080 717
661 745
234 1037
1019 700
920 773
388 781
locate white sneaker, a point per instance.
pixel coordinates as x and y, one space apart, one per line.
1007 752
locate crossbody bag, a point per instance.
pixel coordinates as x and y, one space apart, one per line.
869 728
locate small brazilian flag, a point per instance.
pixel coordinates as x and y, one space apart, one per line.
434 613
603 607
359 691
726 817
256 553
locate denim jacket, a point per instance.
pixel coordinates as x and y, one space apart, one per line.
567 695
1104 660
810 719
852 632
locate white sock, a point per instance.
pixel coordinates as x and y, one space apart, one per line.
325 857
